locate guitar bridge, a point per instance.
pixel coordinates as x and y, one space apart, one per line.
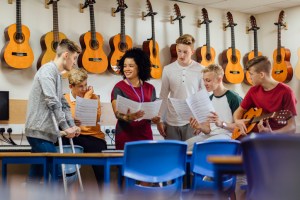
20 54
95 59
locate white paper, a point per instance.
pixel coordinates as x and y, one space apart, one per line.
86 111
181 108
197 105
200 105
151 109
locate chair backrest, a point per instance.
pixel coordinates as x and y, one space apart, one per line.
201 150
272 164
154 162
70 168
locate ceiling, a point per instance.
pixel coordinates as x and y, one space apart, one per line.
245 6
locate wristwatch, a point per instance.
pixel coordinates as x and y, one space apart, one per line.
224 125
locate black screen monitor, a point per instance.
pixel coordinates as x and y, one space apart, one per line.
4 105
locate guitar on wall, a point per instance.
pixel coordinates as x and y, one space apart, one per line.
256 114
151 47
119 43
50 40
179 17
233 70
17 52
206 54
282 70
254 53
92 57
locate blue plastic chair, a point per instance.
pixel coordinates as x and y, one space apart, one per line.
272 164
201 168
69 168
154 162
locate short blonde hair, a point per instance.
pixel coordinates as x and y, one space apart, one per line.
67 45
186 39
77 76
217 69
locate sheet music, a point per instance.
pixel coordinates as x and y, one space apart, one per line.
200 105
181 108
151 109
86 111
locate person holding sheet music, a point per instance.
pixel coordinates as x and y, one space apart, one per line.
135 67
180 79
219 124
45 97
92 139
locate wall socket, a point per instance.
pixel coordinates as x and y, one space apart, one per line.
16 128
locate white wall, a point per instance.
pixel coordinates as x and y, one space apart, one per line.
73 24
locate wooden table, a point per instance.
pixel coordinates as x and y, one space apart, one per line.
225 165
23 158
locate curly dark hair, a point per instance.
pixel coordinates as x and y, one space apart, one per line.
142 61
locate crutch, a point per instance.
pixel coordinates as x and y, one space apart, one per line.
62 133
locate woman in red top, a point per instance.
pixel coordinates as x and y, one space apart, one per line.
135 67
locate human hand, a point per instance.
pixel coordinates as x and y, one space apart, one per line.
77 122
70 132
194 123
135 116
89 92
241 125
161 129
214 118
156 119
262 128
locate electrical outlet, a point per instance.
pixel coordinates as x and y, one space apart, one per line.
16 128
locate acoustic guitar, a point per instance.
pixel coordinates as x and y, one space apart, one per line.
206 54
282 70
297 68
179 17
254 53
92 57
17 52
50 40
256 114
233 70
119 43
151 47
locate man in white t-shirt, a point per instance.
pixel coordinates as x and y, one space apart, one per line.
180 79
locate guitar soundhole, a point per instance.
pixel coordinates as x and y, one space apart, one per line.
208 56
123 46
234 59
19 38
94 44
278 58
54 46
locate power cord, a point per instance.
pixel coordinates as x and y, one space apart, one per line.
9 131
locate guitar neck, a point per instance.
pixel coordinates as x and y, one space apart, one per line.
207 38
255 43
233 41
153 31
180 26
262 117
278 39
18 17
55 22
92 21
123 25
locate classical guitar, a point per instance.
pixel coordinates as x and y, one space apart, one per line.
119 43
92 58
151 47
17 52
256 114
297 68
206 54
254 53
282 70
179 17
50 40
233 70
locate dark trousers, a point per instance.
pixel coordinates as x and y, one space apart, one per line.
91 144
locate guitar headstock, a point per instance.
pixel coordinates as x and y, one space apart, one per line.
281 18
121 5
282 116
230 20
88 2
51 2
205 16
253 23
177 12
149 6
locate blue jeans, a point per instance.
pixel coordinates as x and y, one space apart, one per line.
40 146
